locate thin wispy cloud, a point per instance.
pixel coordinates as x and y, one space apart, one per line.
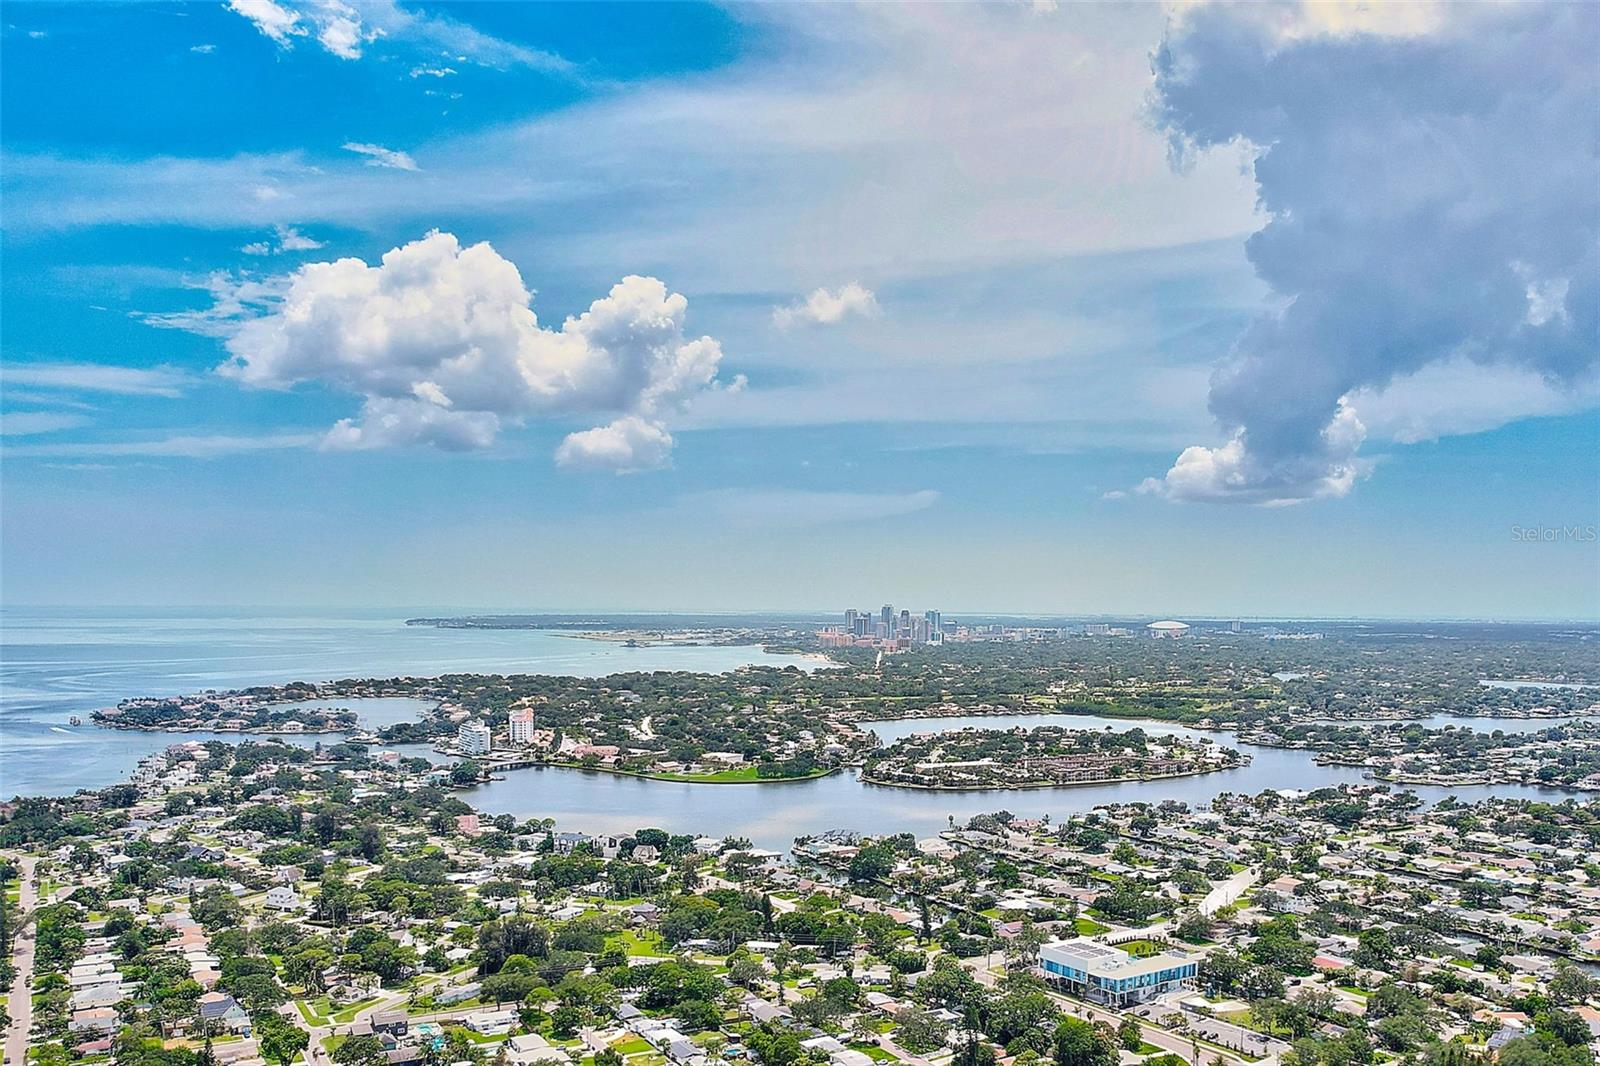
235 299
724 191
96 377
347 31
289 239
177 446
33 423
765 508
379 156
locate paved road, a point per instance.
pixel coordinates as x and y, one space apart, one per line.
901 1053
1228 892
390 1001
20 1002
981 968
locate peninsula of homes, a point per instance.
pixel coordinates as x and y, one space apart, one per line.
263 904
1044 757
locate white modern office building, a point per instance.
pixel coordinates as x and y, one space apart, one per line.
1105 974
474 738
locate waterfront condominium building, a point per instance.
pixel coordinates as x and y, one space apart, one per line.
1101 973
473 738
520 731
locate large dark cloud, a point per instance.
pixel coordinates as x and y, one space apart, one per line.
1429 196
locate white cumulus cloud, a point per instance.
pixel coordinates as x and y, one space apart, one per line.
442 346
387 421
626 446
1232 473
339 29
824 307
276 22
337 26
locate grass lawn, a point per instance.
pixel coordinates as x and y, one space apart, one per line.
314 1011
1141 949
349 1013
1089 927
637 943
743 775
874 1052
478 1038
636 1046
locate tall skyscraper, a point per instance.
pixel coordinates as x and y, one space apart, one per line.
887 618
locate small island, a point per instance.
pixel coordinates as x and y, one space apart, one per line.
1044 757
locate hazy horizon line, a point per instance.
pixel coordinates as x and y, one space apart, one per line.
466 611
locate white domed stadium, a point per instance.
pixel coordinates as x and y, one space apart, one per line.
1167 628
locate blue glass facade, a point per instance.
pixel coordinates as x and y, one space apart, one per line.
1112 986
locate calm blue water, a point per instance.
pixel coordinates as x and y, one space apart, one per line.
55 663
773 816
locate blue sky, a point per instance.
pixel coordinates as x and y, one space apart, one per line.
1008 308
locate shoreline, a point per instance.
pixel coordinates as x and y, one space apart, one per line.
1435 782
670 779
1032 786
255 730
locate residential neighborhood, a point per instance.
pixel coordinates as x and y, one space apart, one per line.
265 904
